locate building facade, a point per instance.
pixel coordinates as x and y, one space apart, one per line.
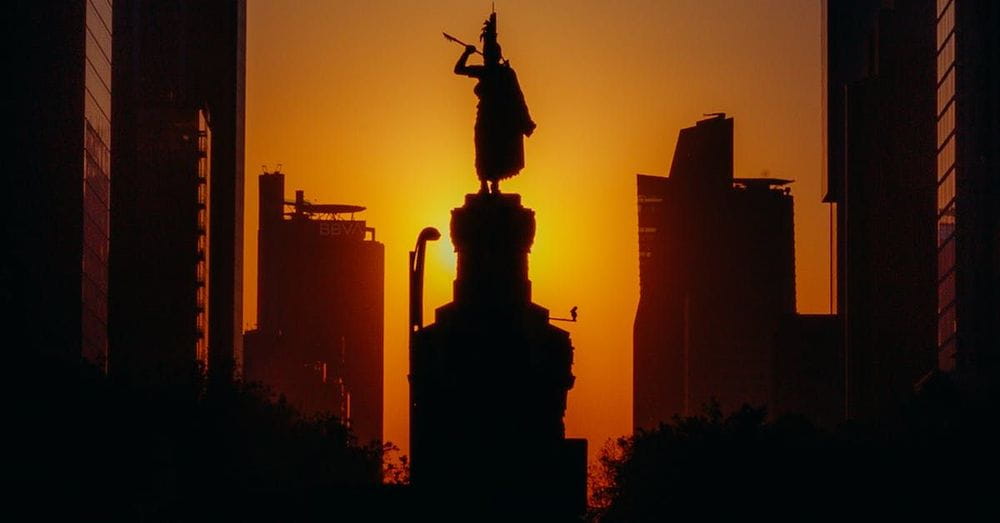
881 182
809 369
56 279
716 274
176 247
320 304
968 177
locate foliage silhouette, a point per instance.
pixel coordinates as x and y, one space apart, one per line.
108 450
941 445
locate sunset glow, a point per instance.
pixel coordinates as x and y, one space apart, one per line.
358 103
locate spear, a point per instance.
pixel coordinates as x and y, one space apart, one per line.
457 41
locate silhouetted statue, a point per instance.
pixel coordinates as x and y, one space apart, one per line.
502 118
490 376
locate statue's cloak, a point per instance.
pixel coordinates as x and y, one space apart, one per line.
501 124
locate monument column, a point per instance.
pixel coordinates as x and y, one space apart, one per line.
489 378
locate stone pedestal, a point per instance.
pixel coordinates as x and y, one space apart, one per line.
489 378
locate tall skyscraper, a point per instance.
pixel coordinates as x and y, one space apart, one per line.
968 190
809 369
880 179
223 82
55 277
716 274
320 303
176 259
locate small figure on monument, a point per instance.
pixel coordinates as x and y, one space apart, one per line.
502 118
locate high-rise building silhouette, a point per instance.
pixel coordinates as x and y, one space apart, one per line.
320 303
55 279
489 381
716 274
968 187
880 180
808 375
176 219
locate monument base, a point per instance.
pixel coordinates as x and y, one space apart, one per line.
489 377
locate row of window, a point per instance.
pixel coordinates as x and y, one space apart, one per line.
946 228
95 298
650 208
946 198
941 4
96 146
201 345
946 355
945 22
95 201
946 158
947 321
94 321
94 330
100 18
946 125
96 186
95 269
98 94
945 92
946 291
946 257
95 240
945 58
201 297
94 256
947 324
98 59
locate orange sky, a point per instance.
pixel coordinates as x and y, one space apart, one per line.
357 101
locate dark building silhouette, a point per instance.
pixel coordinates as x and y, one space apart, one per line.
489 380
55 271
968 198
881 182
847 37
716 274
809 369
320 303
176 219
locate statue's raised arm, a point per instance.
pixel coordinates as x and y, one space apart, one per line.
463 68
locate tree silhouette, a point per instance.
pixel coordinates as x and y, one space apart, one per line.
107 449
933 447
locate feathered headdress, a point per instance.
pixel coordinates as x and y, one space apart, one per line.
489 33
489 36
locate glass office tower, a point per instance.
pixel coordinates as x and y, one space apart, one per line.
968 232
96 179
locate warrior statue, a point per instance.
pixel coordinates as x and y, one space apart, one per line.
502 118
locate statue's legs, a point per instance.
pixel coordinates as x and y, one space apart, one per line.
495 186
482 186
